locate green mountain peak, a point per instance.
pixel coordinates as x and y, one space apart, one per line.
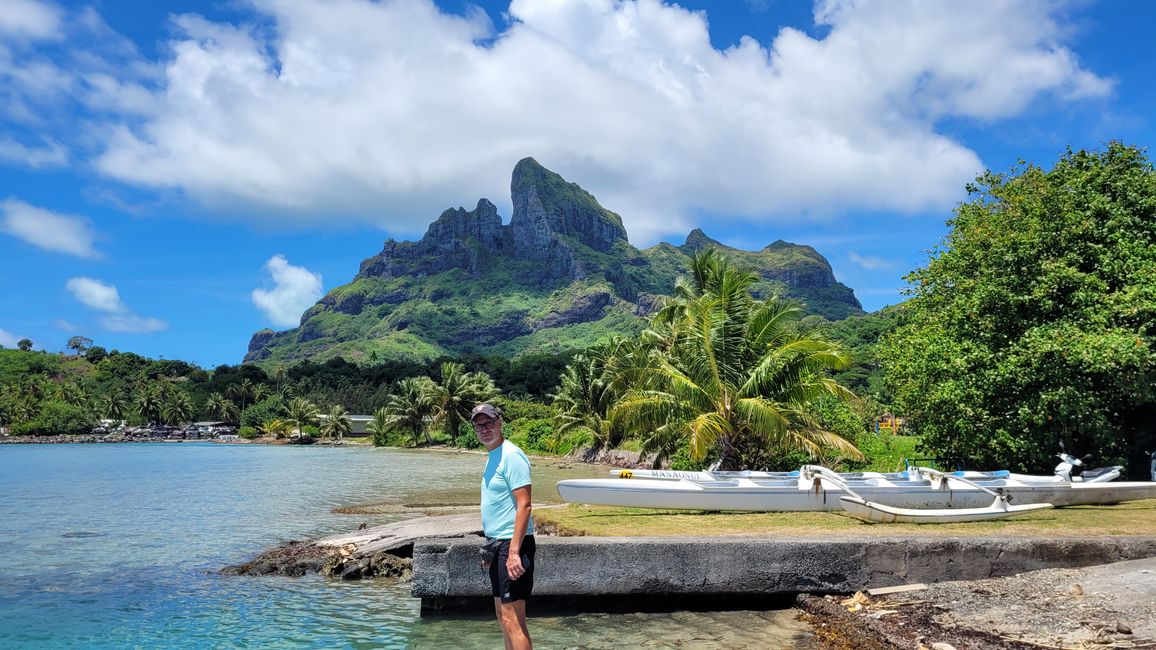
562 275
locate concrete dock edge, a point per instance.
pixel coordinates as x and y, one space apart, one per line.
447 574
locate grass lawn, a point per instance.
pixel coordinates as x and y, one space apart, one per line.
1133 518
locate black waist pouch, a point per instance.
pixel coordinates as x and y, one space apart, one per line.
490 550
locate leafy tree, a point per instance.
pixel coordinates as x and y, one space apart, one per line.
1033 320
336 423
95 354
266 409
455 396
24 345
731 375
79 344
301 413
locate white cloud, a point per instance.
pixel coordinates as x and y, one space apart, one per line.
51 154
295 289
104 297
99 295
52 231
67 326
30 19
389 111
132 323
870 262
8 339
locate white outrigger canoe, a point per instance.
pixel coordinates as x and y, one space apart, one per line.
1101 475
812 491
877 513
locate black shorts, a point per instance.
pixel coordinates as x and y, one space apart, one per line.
500 584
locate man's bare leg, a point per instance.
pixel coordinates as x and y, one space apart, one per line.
498 613
512 616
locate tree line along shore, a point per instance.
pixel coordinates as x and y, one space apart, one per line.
1030 324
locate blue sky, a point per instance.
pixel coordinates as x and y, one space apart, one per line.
177 175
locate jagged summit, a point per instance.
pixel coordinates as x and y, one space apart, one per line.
546 204
561 274
698 240
552 221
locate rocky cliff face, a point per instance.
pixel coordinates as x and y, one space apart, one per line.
561 275
551 218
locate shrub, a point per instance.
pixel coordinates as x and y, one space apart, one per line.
391 439
270 408
249 433
466 438
515 410
57 418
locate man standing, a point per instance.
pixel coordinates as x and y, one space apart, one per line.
506 518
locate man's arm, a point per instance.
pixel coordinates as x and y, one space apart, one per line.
521 522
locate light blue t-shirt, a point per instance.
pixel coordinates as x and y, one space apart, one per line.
506 470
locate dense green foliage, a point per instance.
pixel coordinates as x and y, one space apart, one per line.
55 417
861 336
1032 322
719 373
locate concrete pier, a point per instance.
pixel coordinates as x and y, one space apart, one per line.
447 574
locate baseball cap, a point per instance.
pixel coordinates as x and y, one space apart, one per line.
488 410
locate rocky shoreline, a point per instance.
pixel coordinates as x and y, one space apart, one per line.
1103 606
378 552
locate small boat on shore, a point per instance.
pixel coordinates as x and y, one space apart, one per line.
812 491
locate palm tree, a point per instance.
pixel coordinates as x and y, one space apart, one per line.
379 426
336 423
275 428
114 406
241 392
730 374
260 392
177 408
300 413
588 390
220 408
457 394
279 374
148 402
410 406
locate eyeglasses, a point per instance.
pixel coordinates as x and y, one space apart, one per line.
485 424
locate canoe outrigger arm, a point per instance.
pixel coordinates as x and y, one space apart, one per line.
860 508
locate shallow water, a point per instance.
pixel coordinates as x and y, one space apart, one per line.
115 546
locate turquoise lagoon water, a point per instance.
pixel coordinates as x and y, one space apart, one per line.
118 546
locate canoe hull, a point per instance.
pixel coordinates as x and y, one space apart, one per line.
788 496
